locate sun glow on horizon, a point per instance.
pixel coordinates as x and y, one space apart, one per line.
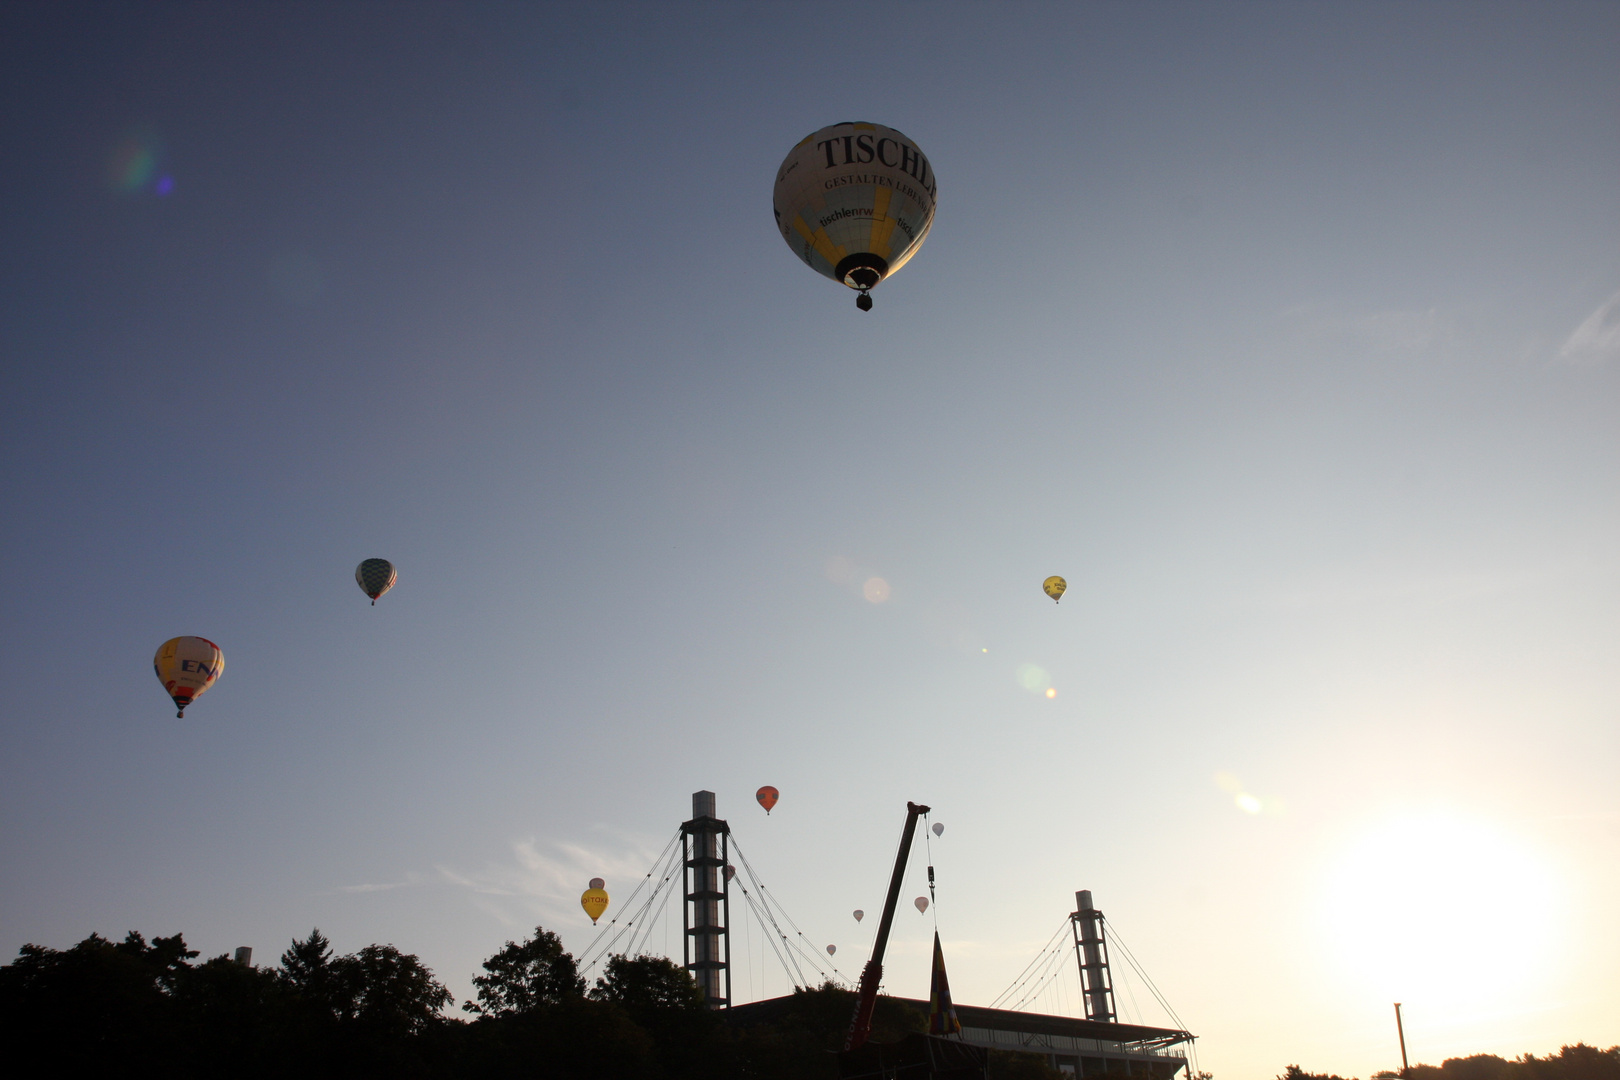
1443 908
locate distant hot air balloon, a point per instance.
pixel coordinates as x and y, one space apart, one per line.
767 797
594 899
859 914
375 577
939 829
187 666
922 904
1054 587
731 871
855 201
831 949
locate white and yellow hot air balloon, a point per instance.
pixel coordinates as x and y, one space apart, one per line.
594 899
187 666
855 201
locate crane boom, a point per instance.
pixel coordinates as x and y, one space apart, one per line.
860 1026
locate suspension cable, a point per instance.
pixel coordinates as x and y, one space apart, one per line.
804 945
1019 980
599 948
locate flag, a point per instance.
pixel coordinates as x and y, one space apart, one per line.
941 1013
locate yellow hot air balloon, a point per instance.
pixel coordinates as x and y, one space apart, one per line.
187 666
594 899
855 201
1054 587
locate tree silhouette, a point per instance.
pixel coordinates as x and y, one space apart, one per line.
521 978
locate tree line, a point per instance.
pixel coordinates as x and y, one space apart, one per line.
138 1006
1577 1062
148 1007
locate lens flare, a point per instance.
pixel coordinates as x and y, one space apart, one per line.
135 165
1051 691
876 590
1033 677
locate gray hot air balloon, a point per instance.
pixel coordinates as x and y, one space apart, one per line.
859 914
939 829
855 201
375 577
922 904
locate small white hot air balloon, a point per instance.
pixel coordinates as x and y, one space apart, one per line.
939 830
859 914
922 904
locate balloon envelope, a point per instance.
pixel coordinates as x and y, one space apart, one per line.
187 666
595 901
1054 587
939 829
831 949
767 797
375 577
597 883
855 201
922 903
859 914
731 871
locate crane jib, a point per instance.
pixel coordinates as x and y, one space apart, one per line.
860 1025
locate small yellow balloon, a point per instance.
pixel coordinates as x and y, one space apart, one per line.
1054 587
594 901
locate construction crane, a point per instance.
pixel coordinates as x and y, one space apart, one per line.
860 1026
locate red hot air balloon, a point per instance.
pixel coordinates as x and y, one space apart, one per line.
767 797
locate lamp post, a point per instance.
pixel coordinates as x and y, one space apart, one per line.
1401 1033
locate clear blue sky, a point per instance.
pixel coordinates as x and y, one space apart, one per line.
1288 333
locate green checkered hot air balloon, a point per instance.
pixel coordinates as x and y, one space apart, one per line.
375 577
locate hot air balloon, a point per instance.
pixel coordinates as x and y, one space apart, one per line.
187 666
731 871
855 201
1054 587
939 829
922 904
375 577
594 899
767 797
831 949
859 914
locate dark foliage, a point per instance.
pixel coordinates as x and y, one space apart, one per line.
145 1008
1577 1062
521 978
1294 1072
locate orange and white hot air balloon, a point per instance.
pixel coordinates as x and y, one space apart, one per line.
767 797
187 666
595 899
